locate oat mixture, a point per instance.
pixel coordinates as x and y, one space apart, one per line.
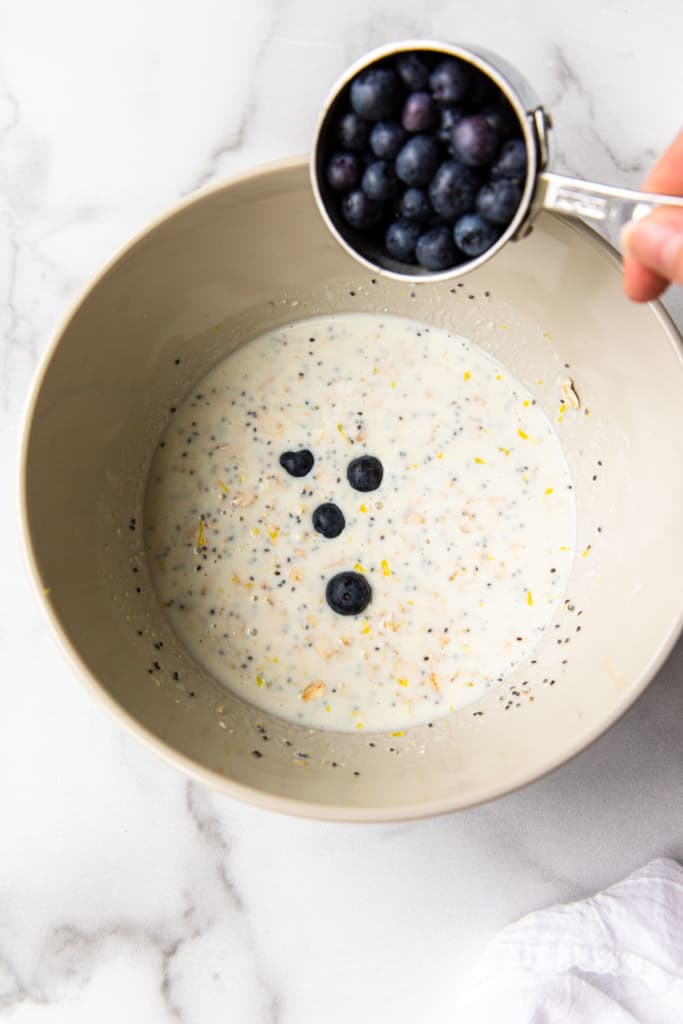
465 544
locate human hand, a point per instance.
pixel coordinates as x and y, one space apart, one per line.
653 246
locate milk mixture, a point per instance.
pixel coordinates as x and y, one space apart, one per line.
466 543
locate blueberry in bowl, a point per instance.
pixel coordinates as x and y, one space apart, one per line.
424 160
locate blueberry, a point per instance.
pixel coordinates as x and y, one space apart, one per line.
498 201
343 171
435 249
386 138
328 519
401 239
511 162
348 593
448 119
453 189
415 205
450 80
297 463
417 160
419 112
376 93
365 473
380 181
473 235
361 212
353 132
474 140
502 117
483 90
412 71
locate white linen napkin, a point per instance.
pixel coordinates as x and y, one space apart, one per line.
614 958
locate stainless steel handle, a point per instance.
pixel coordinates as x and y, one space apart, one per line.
607 205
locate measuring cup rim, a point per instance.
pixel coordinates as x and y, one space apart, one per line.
490 65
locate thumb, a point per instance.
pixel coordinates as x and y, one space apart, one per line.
657 243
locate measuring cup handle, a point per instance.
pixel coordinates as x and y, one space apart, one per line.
607 205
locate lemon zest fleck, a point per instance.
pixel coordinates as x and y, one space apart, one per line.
439 455
529 598
340 428
399 732
505 451
359 568
403 683
201 537
480 462
363 507
467 375
524 437
548 490
385 567
587 552
224 487
260 681
274 533
365 629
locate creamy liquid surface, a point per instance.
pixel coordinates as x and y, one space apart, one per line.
467 544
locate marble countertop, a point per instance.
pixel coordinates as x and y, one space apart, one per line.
127 892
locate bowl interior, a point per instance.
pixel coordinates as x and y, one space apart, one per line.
255 254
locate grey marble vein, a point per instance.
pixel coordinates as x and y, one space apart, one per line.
631 169
237 136
211 830
211 834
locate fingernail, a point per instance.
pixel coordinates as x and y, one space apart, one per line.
654 243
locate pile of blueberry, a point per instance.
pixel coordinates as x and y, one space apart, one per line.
347 593
426 159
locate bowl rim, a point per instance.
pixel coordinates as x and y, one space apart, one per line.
375 814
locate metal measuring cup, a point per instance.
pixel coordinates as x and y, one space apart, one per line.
607 205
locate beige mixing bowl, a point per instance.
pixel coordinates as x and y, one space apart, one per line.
253 254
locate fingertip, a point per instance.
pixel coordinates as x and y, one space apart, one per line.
640 283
